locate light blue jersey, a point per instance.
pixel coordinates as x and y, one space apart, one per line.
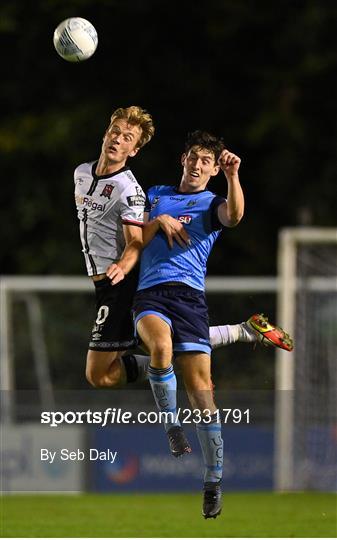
198 213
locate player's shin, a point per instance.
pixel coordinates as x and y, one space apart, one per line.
164 387
209 435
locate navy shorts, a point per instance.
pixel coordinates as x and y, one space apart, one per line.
183 308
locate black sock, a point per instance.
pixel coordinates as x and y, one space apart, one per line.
131 368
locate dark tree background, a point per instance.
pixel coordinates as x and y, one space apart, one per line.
261 74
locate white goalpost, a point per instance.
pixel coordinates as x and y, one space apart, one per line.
25 288
305 449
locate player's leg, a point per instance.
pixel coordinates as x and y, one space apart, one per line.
196 374
104 369
116 368
112 334
257 328
134 367
223 335
155 332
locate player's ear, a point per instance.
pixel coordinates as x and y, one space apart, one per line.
216 169
134 151
183 159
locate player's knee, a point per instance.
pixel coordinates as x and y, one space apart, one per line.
103 369
93 378
102 381
110 378
199 382
161 353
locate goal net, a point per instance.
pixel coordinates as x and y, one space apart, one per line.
306 380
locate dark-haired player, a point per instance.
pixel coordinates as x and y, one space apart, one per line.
170 307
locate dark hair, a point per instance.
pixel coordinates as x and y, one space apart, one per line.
206 141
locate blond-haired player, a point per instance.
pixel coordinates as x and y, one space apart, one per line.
110 207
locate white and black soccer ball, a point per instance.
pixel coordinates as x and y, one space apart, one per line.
75 39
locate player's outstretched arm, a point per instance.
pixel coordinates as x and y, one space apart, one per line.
134 245
230 213
173 229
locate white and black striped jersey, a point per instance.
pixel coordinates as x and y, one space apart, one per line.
104 203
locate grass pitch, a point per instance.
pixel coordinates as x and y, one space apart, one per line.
168 515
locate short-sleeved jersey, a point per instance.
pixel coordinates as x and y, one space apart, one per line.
198 213
104 203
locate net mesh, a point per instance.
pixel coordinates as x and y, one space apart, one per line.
315 441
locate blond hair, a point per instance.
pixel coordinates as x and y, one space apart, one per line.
136 116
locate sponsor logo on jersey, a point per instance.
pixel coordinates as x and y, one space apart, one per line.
107 190
191 203
89 203
185 219
136 200
176 198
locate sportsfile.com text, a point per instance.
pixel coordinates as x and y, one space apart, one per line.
118 416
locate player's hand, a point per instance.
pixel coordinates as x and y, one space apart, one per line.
229 163
115 273
174 231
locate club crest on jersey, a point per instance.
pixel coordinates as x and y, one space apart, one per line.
107 190
185 219
191 203
155 202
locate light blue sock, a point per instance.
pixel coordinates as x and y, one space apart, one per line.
209 435
164 387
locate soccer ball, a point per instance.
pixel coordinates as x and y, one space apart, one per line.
75 39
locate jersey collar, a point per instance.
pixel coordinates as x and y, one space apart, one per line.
104 176
176 189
